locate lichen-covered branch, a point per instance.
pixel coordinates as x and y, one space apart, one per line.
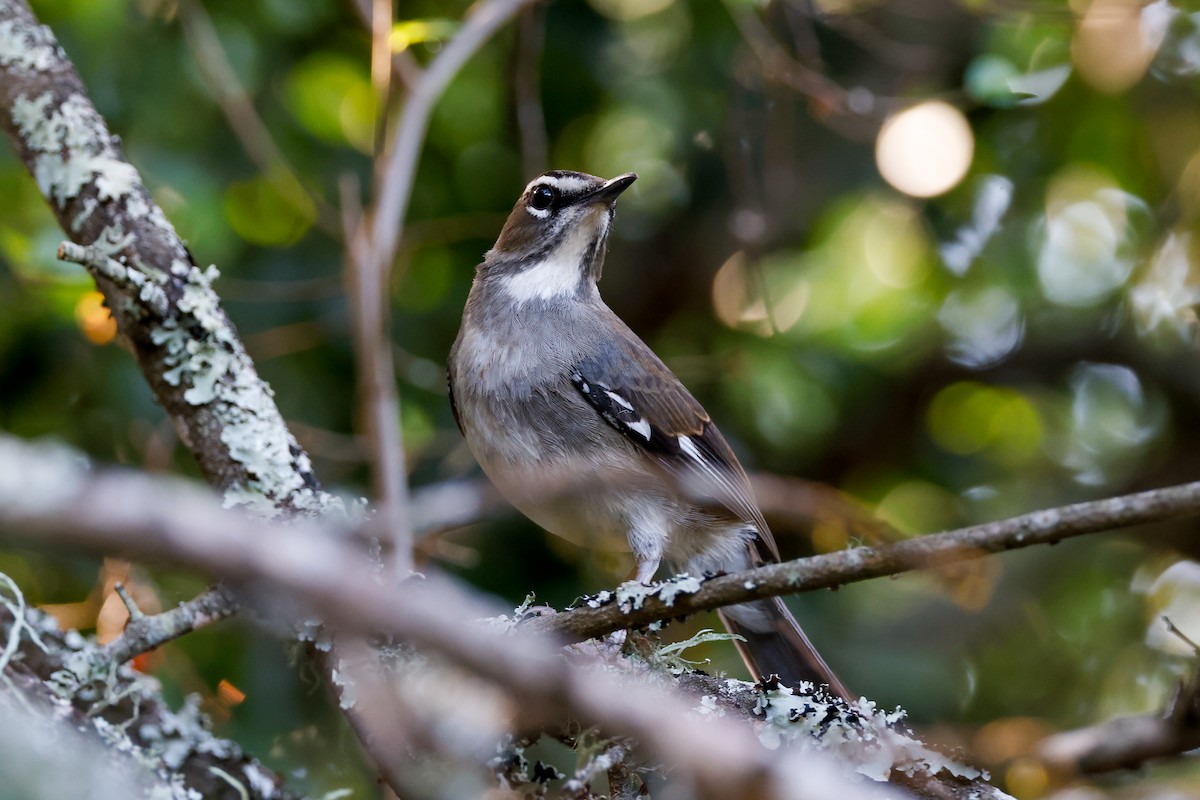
163 301
125 732
53 498
145 632
633 605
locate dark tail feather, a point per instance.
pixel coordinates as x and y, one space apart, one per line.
783 649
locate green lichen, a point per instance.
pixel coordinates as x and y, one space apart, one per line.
203 354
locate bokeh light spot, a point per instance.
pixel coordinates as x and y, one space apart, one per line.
260 214
1115 41
94 318
1088 242
420 31
918 507
925 150
969 418
331 96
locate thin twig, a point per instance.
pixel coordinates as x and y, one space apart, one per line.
527 100
372 251
371 712
1183 637
390 203
404 66
127 600
381 72
144 633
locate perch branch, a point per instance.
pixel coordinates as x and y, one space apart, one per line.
677 597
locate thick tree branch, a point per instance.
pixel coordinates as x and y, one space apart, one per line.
297 567
632 605
163 302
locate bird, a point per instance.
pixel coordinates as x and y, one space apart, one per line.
589 434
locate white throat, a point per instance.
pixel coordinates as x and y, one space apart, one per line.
558 274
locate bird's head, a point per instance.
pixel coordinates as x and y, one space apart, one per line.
553 242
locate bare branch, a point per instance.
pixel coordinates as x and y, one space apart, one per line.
1121 743
1130 742
392 194
121 721
372 251
527 100
631 606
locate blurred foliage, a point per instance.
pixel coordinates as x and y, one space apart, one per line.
1009 324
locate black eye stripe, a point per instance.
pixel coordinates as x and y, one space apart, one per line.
543 197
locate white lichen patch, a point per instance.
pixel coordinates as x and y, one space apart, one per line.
632 595
123 710
69 143
679 585
203 353
260 781
26 46
709 707
865 737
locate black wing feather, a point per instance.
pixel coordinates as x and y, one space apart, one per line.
634 392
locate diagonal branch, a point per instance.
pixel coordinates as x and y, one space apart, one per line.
238 108
146 632
163 303
633 606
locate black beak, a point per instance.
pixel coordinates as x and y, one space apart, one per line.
610 190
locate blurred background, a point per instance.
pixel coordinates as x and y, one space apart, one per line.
927 262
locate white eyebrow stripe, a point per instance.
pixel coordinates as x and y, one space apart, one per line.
568 184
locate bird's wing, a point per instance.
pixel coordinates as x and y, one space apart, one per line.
635 393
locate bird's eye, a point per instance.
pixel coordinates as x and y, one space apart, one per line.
543 197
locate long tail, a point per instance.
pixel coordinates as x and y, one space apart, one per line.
782 649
